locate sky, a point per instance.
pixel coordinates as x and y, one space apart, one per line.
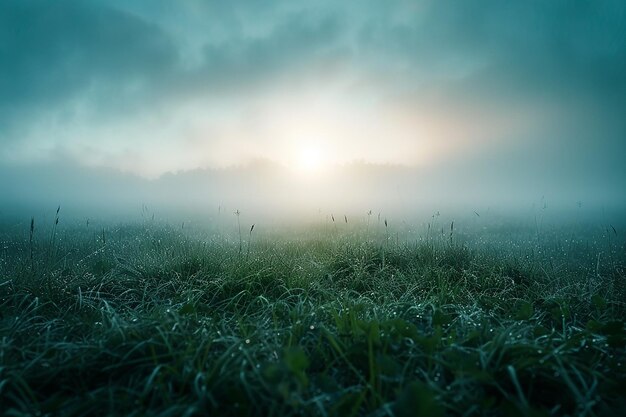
523 98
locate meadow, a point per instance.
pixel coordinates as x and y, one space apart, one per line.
331 319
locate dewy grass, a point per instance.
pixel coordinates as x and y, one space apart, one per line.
157 320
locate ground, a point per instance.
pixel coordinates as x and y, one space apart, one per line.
154 319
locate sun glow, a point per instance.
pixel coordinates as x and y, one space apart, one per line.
310 160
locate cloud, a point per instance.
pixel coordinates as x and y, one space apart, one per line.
156 86
530 43
53 52
73 68
558 68
289 45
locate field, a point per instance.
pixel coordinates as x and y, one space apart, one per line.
331 319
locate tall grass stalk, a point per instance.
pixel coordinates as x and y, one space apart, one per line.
451 231
386 242
238 213
30 242
52 244
249 241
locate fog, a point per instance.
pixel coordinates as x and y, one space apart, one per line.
265 192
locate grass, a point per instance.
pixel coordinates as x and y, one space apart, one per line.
153 320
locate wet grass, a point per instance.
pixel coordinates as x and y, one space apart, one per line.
148 320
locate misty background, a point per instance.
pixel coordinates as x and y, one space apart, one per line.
411 107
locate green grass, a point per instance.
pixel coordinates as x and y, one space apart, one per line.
153 320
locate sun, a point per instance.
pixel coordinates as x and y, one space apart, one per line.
310 160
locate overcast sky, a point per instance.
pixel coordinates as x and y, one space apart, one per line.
150 87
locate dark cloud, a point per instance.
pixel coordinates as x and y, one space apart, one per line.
564 59
52 51
119 63
291 44
511 47
55 51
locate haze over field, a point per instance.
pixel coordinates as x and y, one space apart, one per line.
312 105
294 208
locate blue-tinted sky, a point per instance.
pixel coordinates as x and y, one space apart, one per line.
511 89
